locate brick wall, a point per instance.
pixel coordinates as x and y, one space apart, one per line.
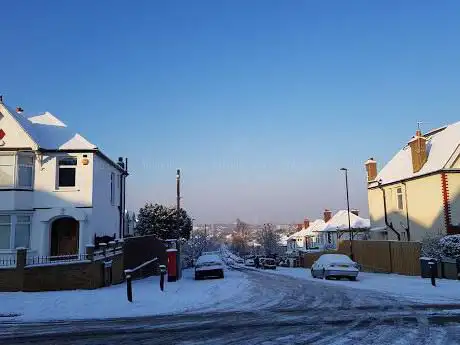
10 279
90 274
67 276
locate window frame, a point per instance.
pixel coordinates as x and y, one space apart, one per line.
16 155
58 171
399 199
13 222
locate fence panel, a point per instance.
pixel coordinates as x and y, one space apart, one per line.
405 257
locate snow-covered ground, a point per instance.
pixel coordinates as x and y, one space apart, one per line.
111 302
415 289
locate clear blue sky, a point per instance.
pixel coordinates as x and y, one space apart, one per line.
258 102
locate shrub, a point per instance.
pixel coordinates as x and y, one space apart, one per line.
450 246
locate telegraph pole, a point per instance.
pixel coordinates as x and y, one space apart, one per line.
178 259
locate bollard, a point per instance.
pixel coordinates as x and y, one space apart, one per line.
432 271
162 276
129 288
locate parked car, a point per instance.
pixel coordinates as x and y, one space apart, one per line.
249 262
268 263
334 265
209 266
239 261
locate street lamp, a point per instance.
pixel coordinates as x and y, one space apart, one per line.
348 209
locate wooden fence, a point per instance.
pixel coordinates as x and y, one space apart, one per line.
379 256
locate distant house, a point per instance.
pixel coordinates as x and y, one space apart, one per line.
58 191
417 193
337 228
305 239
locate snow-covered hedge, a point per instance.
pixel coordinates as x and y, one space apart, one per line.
439 247
450 246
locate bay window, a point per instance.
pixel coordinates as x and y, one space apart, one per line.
14 231
16 170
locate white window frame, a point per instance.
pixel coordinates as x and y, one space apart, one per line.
13 222
399 193
16 156
58 169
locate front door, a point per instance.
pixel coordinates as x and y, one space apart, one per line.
64 237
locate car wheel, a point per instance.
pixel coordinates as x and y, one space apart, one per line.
324 274
312 274
352 279
197 277
222 274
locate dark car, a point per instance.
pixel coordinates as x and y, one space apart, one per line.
209 266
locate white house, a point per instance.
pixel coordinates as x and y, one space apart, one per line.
58 191
305 238
336 228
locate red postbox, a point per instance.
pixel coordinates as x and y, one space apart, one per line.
172 265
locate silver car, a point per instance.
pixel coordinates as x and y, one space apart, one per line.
334 265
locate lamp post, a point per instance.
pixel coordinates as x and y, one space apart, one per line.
348 209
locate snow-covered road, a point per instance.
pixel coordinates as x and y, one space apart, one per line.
261 308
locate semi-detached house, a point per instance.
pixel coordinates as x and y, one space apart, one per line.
58 191
417 193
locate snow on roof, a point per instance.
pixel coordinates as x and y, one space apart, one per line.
314 227
340 222
51 133
441 145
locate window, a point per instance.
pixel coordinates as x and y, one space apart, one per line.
7 163
67 172
399 196
5 231
22 232
25 171
20 237
112 188
17 170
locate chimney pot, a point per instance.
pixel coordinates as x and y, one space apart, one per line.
327 215
1 99
306 223
418 133
19 110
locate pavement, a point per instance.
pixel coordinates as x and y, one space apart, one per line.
280 310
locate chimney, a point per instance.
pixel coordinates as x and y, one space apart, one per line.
355 212
371 167
299 226
418 151
19 110
306 223
120 162
327 215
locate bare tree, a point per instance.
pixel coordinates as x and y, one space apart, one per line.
241 237
269 238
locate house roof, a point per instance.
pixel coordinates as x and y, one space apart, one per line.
50 133
340 222
442 144
314 227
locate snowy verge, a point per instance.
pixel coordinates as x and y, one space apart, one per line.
185 295
416 289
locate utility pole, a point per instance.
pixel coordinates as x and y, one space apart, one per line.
350 233
178 259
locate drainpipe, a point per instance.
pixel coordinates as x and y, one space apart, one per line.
390 225
407 212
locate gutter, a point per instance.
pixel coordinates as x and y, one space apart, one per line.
407 228
390 225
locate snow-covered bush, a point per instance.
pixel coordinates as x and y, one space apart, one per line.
450 246
439 247
431 248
